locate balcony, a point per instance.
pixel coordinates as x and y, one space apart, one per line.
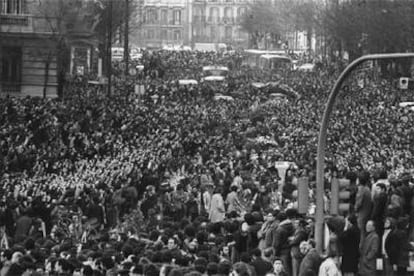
16 23
228 20
10 87
213 19
26 24
199 19
14 19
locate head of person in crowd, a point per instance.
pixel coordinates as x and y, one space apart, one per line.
200 265
172 243
370 226
364 178
240 269
389 223
402 223
278 266
380 188
304 247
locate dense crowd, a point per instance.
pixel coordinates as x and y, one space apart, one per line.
175 182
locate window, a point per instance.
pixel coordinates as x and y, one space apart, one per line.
228 14
152 16
197 31
228 32
12 6
240 12
164 34
213 32
164 17
214 14
11 70
177 17
197 14
150 34
177 35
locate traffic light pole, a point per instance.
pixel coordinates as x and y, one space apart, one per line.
319 216
109 47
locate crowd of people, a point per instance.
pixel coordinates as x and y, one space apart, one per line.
173 181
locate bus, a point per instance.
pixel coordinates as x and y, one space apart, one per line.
215 71
271 61
251 57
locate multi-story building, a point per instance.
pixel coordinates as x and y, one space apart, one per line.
165 22
37 37
186 22
26 50
218 21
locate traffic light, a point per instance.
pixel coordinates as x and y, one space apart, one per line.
303 195
340 196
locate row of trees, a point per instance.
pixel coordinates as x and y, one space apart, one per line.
357 26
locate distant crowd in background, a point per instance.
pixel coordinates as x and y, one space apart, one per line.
174 181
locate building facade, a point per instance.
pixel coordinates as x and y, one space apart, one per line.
218 21
27 52
164 23
187 22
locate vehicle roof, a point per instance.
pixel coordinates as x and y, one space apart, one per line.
269 56
215 67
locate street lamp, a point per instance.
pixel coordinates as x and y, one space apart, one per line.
320 165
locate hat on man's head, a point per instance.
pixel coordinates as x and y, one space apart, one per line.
281 216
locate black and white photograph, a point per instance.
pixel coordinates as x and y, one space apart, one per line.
206 137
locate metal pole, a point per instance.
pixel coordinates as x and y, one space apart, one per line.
126 37
109 49
319 216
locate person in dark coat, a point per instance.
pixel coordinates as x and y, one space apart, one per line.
311 260
300 235
369 250
363 204
389 228
379 207
261 266
281 244
397 247
349 240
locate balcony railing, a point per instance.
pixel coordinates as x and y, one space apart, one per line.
199 19
228 20
14 19
213 19
10 87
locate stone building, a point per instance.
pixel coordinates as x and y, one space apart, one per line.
27 50
218 21
165 23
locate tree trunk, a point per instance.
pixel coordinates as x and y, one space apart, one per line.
46 77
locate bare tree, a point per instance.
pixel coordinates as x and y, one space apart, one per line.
63 20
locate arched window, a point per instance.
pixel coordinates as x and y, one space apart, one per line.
164 17
228 13
198 14
177 17
152 16
214 14
240 12
228 33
